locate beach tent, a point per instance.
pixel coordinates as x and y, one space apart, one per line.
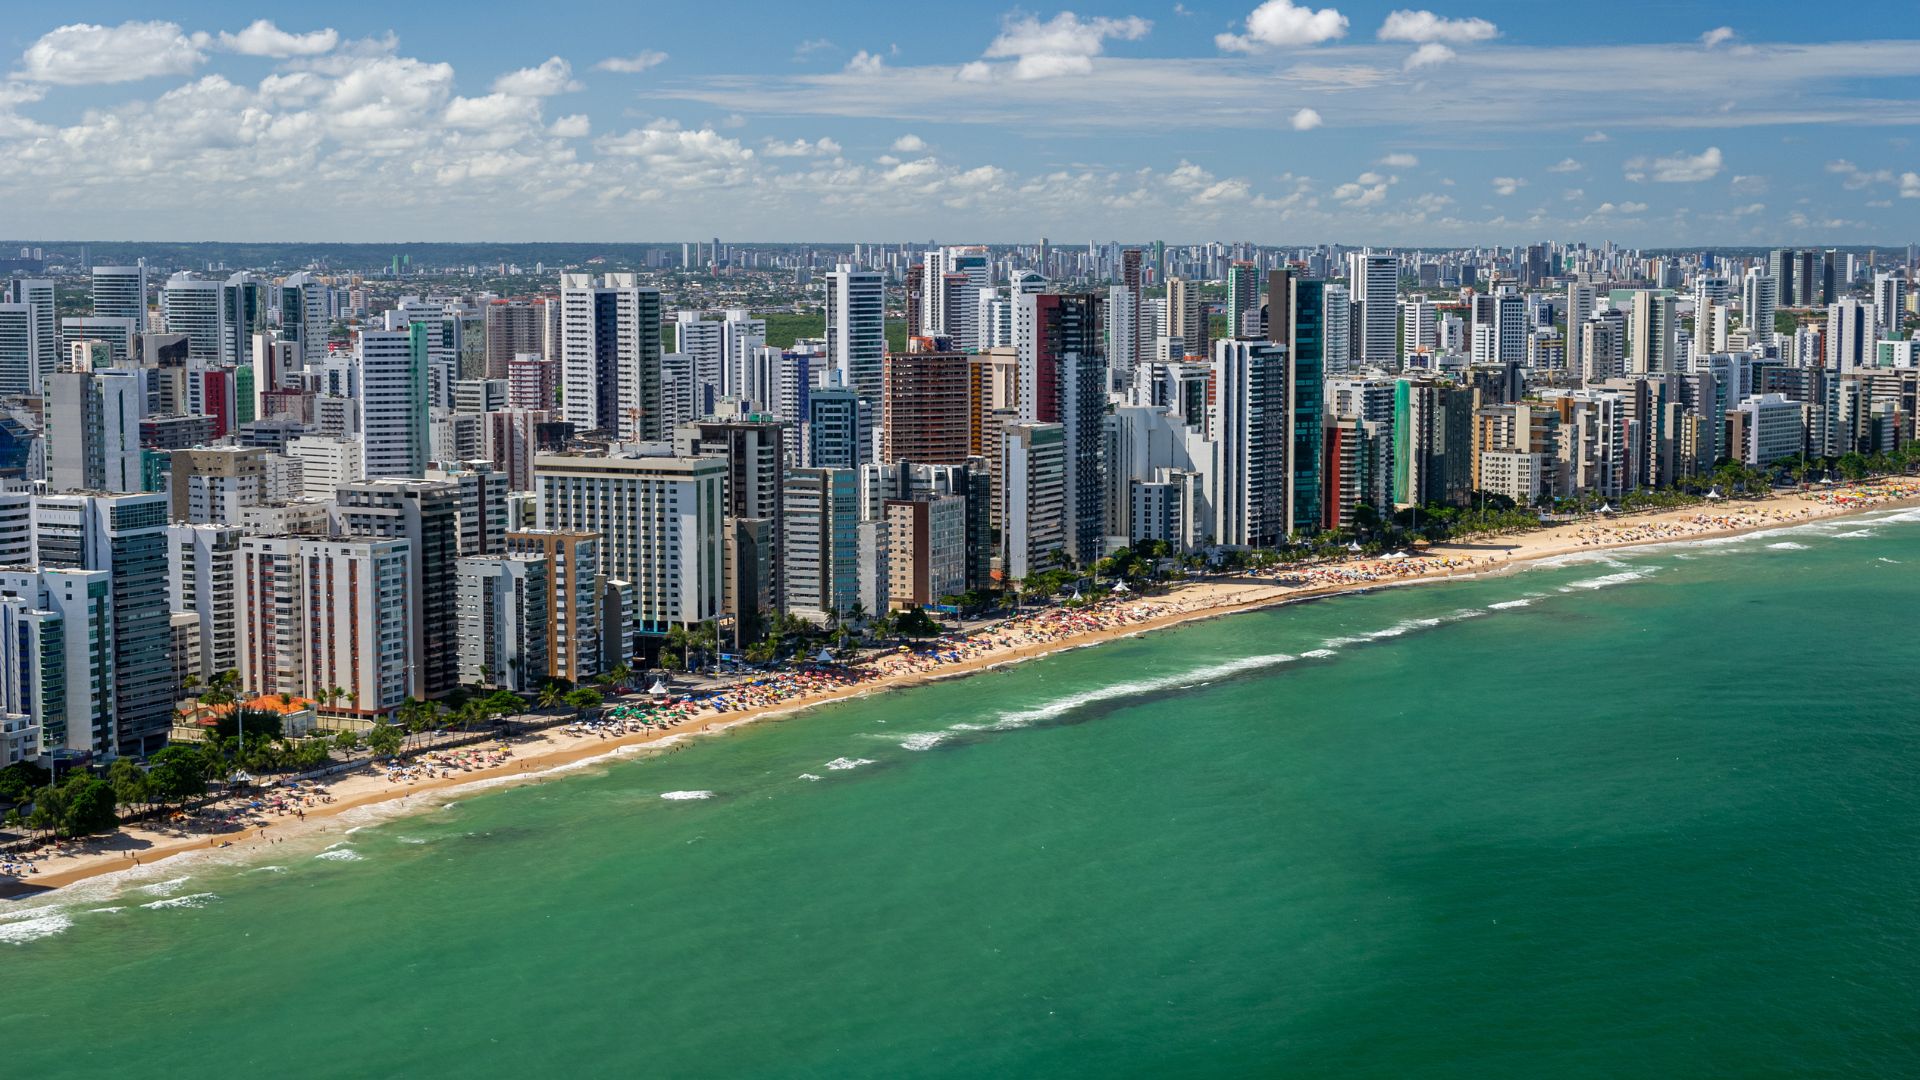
1121 587
1715 493
659 689
1354 547
1606 508
825 657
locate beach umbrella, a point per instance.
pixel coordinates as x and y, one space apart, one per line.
658 689
1121 587
1354 547
1606 508
1715 493
825 656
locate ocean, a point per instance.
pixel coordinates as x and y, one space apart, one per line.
1647 813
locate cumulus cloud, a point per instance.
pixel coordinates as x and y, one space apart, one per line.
1719 35
1594 137
555 76
576 126
866 63
1305 120
809 47
83 53
263 38
1063 45
1425 26
1678 168
632 65
822 147
1282 24
1853 177
1400 161
1428 55
1565 165
909 144
682 159
1910 185
1507 185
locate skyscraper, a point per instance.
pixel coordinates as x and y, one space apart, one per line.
1187 316
925 408
393 400
1375 283
1653 335
856 328
29 336
820 542
426 514
1243 300
1249 427
126 536
1306 382
611 356
120 292
304 316
93 430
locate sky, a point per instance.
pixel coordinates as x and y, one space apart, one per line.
1646 123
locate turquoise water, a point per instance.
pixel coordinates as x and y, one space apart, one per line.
1650 815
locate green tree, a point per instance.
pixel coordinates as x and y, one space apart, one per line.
346 740
583 699
21 779
129 783
175 774
89 807
385 739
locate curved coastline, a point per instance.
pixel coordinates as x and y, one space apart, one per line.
550 755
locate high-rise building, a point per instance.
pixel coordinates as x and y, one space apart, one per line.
1653 335
574 638
1306 397
839 429
126 536
212 485
325 463
201 560
857 329
611 356
1850 336
392 375
1581 298
1889 304
426 514
925 403
1759 297
503 605
1032 486
305 316
1243 301
1187 316
820 543
1063 380
29 336
661 520
1603 346
515 329
1276 315
93 430
483 503
120 292
1249 428
1337 310
1375 283
57 662
316 615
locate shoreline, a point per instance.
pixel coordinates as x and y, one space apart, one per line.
553 752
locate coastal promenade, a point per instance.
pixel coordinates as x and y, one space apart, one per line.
637 728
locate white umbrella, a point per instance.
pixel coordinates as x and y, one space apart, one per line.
1354 547
659 689
1606 508
1120 587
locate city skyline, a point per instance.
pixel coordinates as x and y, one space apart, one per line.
1281 122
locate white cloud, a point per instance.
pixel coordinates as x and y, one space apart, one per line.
1507 185
1910 185
83 53
555 76
1428 55
1400 161
1632 207
576 126
1719 35
1282 24
632 65
682 159
1063 45
809 47
1752 185
1574 194
1305 120
1565 165
492 111
976 71
822 147
1426 26
1856 178
1749 209
1595 137
909 144
1678 168
866 63
263 38
1357 195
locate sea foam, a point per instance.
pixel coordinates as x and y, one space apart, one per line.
25 930
191 900
685 796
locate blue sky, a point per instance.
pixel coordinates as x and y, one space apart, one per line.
1275 121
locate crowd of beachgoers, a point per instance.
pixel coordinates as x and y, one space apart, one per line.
442 764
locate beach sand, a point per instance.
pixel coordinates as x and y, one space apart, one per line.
542 755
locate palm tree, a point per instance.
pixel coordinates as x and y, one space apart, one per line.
551 695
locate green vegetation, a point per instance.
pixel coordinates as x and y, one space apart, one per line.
785 327
1785 322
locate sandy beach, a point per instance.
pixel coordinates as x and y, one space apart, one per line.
544 754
